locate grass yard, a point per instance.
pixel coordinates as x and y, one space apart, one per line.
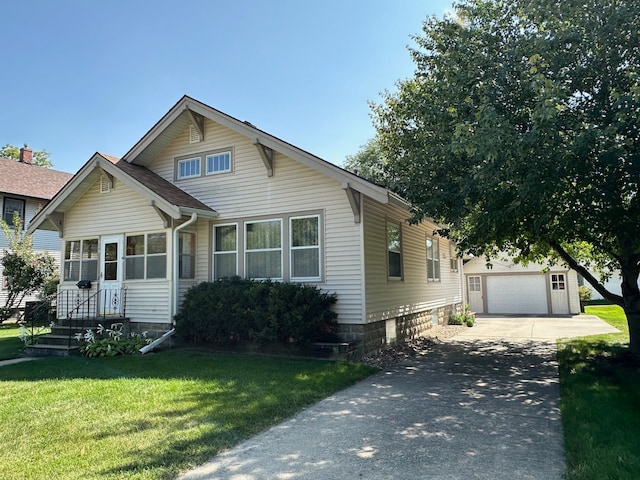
148 417
600 392
10 345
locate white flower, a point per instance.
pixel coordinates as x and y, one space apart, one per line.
89 337
23 333
100 328
52 324
78 336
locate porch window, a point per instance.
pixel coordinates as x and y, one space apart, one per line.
10 206
263 249
146 256
305 248
225 251
81 260
394 251
187 255
433 259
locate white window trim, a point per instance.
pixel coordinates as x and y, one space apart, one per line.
280 249
453 259
217 153
435 241
81 260
318 247
146 256
225 252
195 159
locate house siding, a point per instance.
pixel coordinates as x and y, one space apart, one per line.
248 193
122 211
410 304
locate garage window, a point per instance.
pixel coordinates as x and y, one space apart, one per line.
558 282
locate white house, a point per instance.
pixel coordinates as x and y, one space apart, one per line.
204 195
510 288
25 188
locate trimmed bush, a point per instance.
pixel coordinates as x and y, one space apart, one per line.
245 311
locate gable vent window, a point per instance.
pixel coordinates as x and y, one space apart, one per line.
194 135
105 184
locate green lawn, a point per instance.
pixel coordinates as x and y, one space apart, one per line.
10 345
148 417
600 394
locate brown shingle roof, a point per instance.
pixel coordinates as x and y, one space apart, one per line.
159 185
27 180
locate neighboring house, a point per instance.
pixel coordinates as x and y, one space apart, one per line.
204 196
25 188
510 288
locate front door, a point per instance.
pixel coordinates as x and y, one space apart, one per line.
111 275
559 294
474 292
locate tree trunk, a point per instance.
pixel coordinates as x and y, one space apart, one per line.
631 298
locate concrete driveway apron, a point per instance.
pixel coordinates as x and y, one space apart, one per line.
468 408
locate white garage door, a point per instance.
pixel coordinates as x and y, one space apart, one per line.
526 294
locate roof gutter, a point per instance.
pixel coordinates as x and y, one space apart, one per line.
175 280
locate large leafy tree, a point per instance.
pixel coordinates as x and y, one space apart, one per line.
40 158
520 130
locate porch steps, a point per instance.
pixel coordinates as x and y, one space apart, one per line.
57 344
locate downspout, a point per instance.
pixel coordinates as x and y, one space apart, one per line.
175 280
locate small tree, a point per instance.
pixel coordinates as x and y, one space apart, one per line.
26 271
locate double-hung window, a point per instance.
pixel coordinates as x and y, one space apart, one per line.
187 255
394 251
11 206
305 247
146 256
81 260
225 251
189 168
218 162
433 259
453 258
263 249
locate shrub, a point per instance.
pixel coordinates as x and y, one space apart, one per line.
245 311
585 293
465 318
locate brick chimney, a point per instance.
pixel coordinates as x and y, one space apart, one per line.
26 154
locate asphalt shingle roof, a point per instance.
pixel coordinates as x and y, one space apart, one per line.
28 180
159 185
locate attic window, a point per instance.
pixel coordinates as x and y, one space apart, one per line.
105 184
194 135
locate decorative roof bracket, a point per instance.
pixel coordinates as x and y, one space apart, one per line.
354 198
57 220
166 219
266 154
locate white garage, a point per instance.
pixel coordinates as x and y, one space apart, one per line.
515 289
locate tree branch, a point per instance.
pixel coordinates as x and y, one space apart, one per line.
606 294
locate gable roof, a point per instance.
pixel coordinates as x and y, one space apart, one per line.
186 111
28 180
161 194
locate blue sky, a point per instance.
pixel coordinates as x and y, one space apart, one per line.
85 76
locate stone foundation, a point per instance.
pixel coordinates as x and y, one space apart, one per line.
374 336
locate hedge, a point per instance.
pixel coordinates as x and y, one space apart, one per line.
235 310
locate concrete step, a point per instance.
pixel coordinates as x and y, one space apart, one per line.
46 350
